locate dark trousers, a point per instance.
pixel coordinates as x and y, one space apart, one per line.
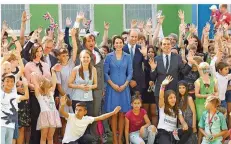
165 137
35 110
85 139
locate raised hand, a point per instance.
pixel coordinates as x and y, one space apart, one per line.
160 20
181 14
140 25
63 100
167 80
35 35
60 36
4 25
25 17
68 22
143 50
152 63
40 29
73 32
192 29
149 22
117 109
80 16
106 25
133 23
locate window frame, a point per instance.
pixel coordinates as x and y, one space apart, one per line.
154 12
27 28
73 21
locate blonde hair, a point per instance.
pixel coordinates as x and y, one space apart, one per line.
45 86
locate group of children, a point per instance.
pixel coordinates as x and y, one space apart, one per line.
198 105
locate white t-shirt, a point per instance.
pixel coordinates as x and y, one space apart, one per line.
167 122
221 80
75 127
9 109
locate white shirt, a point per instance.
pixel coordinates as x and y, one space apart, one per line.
167 122
222 81
47 60
132 48
169 60
8 101
75 127
97 55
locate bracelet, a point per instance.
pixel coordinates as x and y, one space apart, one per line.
162 88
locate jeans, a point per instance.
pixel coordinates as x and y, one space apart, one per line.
6 135
223 104
148 133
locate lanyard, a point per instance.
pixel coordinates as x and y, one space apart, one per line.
210 122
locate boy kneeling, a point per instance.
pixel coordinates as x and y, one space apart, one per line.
77 123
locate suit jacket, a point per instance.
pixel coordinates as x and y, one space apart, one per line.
137 64
176 67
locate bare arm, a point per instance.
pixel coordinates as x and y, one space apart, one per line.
74 43
94 86
26 95
105 34
107 115
72 79
53 79
197 90
23 27
157 29
193 109
147 121
63 101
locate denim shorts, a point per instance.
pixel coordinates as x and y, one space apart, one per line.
228 96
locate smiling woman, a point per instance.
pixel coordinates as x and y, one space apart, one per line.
118 73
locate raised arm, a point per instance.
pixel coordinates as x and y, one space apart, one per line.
23 27
66 36
105 34
157 29
74 43
63 102
25 85
107 115
167 80
205 38
35 81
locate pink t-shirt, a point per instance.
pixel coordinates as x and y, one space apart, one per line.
135 121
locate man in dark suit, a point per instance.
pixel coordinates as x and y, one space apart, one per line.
168 64
137 54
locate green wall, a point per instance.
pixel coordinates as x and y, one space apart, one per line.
172 21
108 13
37 11
112 13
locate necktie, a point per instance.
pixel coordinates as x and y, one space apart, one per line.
167 63
132 54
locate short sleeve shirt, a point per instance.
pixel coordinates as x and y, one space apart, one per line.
218 123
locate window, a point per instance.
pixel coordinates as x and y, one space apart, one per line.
138 12
12 14
70 10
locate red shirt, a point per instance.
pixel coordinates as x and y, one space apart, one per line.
224 18
135 121
216 14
